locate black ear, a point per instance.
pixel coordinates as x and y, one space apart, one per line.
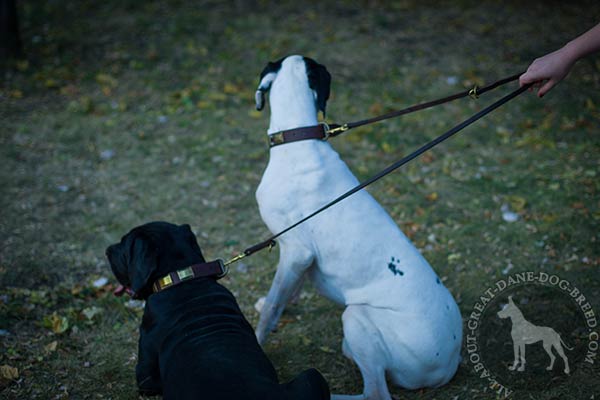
272 66
142 264
191 239
267 76
319 81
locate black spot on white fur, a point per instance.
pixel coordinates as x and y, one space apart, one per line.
392 267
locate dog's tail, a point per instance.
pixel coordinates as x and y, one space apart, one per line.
310 384
564 345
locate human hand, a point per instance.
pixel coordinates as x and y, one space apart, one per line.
545 72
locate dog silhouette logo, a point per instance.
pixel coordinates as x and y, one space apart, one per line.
524 332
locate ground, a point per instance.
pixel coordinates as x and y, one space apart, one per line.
124 112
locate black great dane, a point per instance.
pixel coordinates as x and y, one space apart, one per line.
194 341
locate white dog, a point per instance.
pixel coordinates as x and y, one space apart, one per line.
399 317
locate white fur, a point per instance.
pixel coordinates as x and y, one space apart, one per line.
407 326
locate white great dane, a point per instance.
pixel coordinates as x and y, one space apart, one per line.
399 319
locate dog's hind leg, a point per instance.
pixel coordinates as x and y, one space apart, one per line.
548 348
293 263
362 347
561 353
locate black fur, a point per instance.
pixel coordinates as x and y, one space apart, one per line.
194 341
319 80
272 66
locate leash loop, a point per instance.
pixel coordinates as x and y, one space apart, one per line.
474 93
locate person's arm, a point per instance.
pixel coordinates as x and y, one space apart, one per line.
550 69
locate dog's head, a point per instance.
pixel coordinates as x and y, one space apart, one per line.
149 252
508 309
302 70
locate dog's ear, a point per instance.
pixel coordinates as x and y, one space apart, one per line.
510 300
319 81
142 264
267 76
191 239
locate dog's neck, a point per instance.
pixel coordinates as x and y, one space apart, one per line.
292 104
516 316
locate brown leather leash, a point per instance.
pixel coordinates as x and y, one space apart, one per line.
324 131
220 268
270 242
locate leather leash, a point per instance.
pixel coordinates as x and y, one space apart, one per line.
324 131
220 268
270 242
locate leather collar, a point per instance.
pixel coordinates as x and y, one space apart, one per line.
214 269
304 133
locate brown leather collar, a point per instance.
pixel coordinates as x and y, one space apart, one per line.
293 135
213 268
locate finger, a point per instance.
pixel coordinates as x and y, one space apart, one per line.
544 89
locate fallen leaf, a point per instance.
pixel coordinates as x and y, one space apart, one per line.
16 94
453 257
432 196
56 323
91 312
51 347
106 80
8 372
517 203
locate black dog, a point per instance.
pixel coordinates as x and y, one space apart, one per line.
194 341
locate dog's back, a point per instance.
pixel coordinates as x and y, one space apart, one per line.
207 349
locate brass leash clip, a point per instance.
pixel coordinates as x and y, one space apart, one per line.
234 259
338 130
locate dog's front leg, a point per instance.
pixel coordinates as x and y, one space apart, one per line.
293 263
147 371
516 355
522 357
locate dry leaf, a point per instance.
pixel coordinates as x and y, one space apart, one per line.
56 323
432 196
51 347
8 372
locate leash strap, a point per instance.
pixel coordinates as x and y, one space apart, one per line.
475 92
270 242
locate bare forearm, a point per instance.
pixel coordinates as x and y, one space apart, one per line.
583 45
545 72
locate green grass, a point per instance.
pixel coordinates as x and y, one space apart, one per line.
168 88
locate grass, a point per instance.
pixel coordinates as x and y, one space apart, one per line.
124 112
